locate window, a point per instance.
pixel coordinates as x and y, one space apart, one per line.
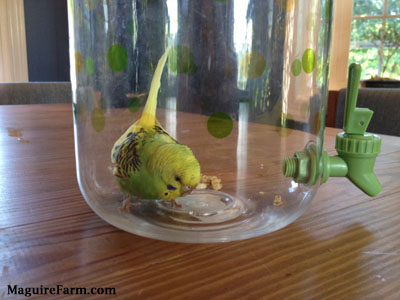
375 38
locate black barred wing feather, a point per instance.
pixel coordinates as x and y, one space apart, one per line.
160 130
126 155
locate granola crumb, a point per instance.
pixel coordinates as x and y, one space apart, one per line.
201 186
216 183
210 181
278 200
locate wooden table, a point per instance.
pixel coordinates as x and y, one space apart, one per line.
346 246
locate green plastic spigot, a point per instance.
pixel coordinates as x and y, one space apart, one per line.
357 150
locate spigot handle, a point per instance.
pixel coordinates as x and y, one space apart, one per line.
356 149
356 119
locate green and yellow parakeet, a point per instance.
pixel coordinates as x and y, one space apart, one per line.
147 161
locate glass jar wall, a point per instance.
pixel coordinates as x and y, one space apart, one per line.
244 86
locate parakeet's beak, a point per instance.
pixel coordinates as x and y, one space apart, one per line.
186 190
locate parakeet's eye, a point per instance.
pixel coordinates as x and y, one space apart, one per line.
165 194
177 178
170 187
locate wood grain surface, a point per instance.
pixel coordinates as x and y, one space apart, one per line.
346 246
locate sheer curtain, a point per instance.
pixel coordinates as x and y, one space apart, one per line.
340 46
13 57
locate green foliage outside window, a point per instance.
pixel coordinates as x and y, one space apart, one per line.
367 7
367 35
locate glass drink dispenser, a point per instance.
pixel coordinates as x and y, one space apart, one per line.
187 114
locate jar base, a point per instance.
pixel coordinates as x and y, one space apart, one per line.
203 216
203 207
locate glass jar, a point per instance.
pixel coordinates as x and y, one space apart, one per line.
244 86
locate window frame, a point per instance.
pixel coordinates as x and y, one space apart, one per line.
384 18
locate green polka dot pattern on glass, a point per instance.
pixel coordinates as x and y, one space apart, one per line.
117 57
134 104
89 65
91 4
252 65
181 60
220 125
296 67
78 61
308 61
98 120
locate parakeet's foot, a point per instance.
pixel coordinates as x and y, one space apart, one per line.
175 204
126 204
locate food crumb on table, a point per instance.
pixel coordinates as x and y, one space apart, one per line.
278 200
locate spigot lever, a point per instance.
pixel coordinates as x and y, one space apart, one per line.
356 119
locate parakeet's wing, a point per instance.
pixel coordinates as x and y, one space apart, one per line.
158 129
126 152
125 156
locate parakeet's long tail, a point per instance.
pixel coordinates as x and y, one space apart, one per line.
148 117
